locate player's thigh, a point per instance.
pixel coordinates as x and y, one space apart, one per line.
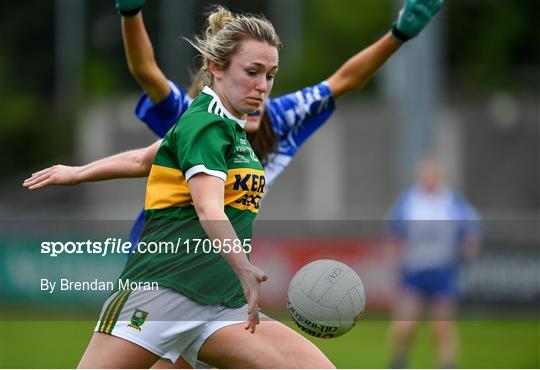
107 351
407 306
406 313
442 308
273 345
179 364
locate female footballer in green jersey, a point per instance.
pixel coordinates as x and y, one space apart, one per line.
205 182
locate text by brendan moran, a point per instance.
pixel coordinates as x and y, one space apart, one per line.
51 286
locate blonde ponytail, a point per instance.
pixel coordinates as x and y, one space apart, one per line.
224 33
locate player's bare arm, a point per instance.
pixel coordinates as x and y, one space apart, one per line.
141 59
357 71
133 163
411 20
208 193
470 248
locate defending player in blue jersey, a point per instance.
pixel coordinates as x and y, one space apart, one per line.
435 229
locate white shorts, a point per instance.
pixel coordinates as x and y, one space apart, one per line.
165 322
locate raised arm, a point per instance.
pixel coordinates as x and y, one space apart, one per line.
139 51
356 71
208 195
133 163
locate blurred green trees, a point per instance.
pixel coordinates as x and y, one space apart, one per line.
490 44
493 44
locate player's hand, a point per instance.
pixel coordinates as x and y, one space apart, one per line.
414 17
55 175
251 280
470 249
128 8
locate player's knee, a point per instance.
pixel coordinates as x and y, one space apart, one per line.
443 327
405 327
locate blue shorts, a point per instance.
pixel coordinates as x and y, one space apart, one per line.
431 283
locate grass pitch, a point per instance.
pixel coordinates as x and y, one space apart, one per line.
484 344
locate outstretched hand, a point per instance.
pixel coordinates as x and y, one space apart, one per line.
414 17
55 175
251 280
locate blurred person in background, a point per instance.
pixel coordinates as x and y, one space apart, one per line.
434 229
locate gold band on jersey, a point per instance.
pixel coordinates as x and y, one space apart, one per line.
244 189
167 187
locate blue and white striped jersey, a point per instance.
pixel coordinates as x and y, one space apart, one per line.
432 226
295 117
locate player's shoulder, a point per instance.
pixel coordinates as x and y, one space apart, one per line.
405 198
311 104
461 203
207 108
408 193
456 198
177 90
198 122
306 94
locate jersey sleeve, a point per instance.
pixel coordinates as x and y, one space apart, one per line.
296 116
470 222
396 217
205 149
160 117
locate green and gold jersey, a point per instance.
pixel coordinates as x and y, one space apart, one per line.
207 139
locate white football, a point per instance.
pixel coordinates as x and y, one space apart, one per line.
326 298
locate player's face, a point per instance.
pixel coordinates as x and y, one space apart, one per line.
430 176
247 81
253 120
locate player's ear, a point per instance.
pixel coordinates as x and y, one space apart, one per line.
216 70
